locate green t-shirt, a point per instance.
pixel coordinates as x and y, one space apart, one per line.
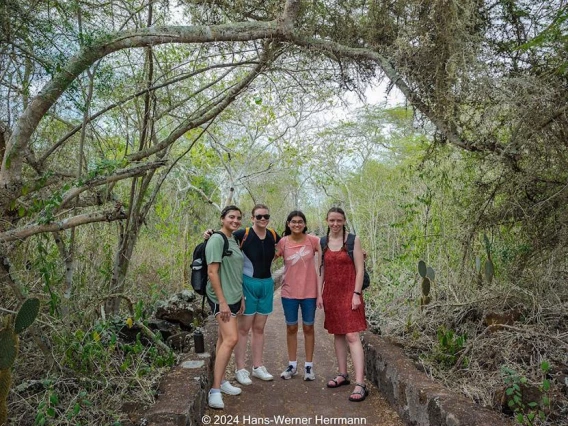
231 270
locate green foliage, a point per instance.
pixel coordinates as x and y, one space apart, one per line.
527 412
46 262
93 351
53 405
449 347
9 349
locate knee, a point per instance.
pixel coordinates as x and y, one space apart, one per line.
308 330
292 329
231 341
258 330
353 338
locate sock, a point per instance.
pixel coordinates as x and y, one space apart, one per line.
293 363
309 364
215 390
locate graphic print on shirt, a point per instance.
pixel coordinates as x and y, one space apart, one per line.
304 251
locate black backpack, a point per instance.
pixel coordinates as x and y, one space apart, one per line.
199 264
350 244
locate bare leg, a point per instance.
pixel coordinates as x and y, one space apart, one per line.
341 352
357 355
244 325
228 336
358 358
309 341
292 341
257 341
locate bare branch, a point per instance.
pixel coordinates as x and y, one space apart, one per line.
105 216
203 116
103 180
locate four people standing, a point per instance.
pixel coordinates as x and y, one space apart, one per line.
334 286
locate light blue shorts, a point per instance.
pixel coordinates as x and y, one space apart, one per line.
259 295
291 310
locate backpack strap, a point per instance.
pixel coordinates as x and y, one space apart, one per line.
226 251
350 244
247 230
323 243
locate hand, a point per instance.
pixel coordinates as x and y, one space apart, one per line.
224 312
319 302
355 301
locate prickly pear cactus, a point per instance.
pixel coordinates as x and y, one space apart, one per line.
428 275
26 315
5 383
489 270
9 350
422 269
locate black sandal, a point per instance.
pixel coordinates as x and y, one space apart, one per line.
363 392
338 383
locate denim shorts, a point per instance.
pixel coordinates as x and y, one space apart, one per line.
234 307
259 295
291 310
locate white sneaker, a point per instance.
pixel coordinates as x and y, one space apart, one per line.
242 377
229 389
215 400
289 372
309 374
261 373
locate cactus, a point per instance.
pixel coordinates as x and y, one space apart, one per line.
478 272
428 276
26 315
489 268
422 269
9 349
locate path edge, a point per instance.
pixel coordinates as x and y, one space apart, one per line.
417 398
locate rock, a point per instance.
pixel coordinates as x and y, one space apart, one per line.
166 328
180 341
179 309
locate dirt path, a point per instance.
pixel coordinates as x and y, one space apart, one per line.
296 401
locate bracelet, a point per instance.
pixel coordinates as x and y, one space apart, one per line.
358 293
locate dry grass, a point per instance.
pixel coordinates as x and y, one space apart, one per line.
538 333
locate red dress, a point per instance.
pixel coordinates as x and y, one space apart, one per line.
339 284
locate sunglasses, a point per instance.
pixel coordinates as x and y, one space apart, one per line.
262 216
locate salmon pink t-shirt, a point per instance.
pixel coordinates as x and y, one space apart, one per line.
300 277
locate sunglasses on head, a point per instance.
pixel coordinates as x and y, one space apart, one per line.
262 216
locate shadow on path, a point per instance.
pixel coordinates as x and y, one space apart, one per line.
296 401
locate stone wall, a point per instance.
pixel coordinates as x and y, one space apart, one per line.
418 399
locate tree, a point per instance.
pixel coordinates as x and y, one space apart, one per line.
458 65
